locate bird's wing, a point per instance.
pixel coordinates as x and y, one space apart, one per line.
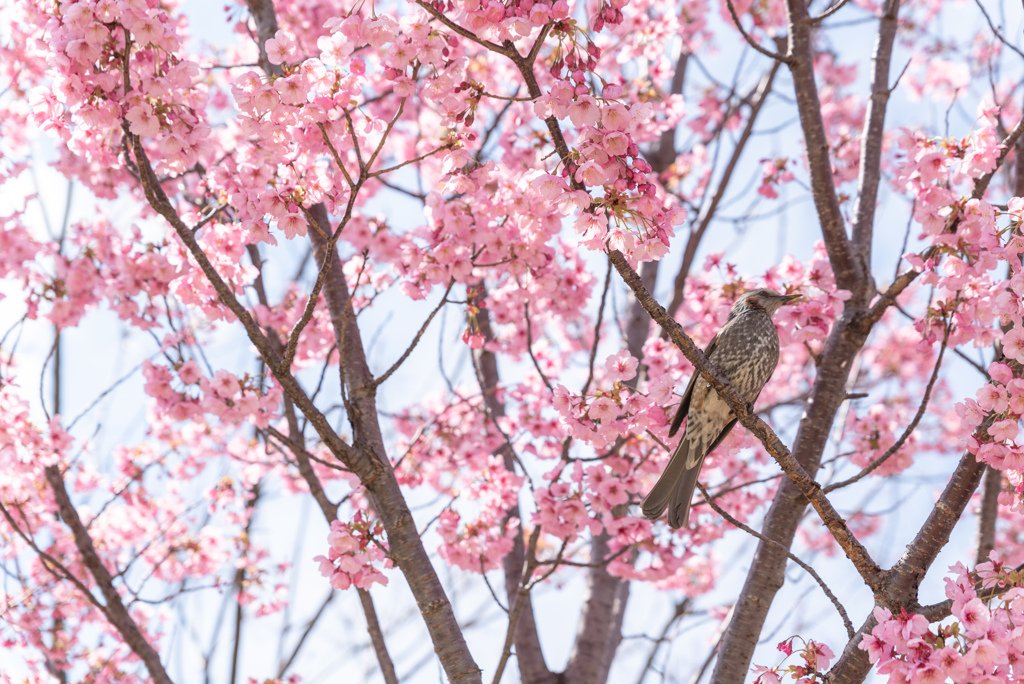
722 435
684 403
727 429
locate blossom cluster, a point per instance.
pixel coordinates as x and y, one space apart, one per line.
983 644
357 553
815 656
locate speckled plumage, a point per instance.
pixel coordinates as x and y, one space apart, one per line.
746 350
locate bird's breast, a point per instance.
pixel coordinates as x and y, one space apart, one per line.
747 352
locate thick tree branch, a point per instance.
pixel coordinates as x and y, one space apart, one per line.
988 513
852 666
114 609
366 457
906 575
849 274
902 581
372 465
327 507
871 137
598 632
406 547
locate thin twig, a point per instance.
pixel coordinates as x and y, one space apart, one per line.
810 571
307 314
334 153
305 633
465 33
524 589
416 339
418 159
506 98
828 12
910 428
529 347
597 330
995 31
747 37
387 667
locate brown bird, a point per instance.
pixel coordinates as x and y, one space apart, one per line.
746 350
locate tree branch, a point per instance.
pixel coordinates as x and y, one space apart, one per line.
871 137
415 340
988 513
465 33
522 622
115 609
848 273
750 40
387 668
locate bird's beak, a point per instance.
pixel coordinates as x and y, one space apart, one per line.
786 299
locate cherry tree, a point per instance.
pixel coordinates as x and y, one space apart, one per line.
269 236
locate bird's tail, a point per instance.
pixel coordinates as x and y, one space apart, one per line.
674 488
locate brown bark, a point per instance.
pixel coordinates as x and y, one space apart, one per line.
905 576
767 570
406 547
599 631
853 665
849 274
871 137
988 513
366 456
902 581
114 609
328 508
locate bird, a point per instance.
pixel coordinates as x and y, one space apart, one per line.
746 350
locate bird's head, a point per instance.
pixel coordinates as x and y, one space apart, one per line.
764 299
